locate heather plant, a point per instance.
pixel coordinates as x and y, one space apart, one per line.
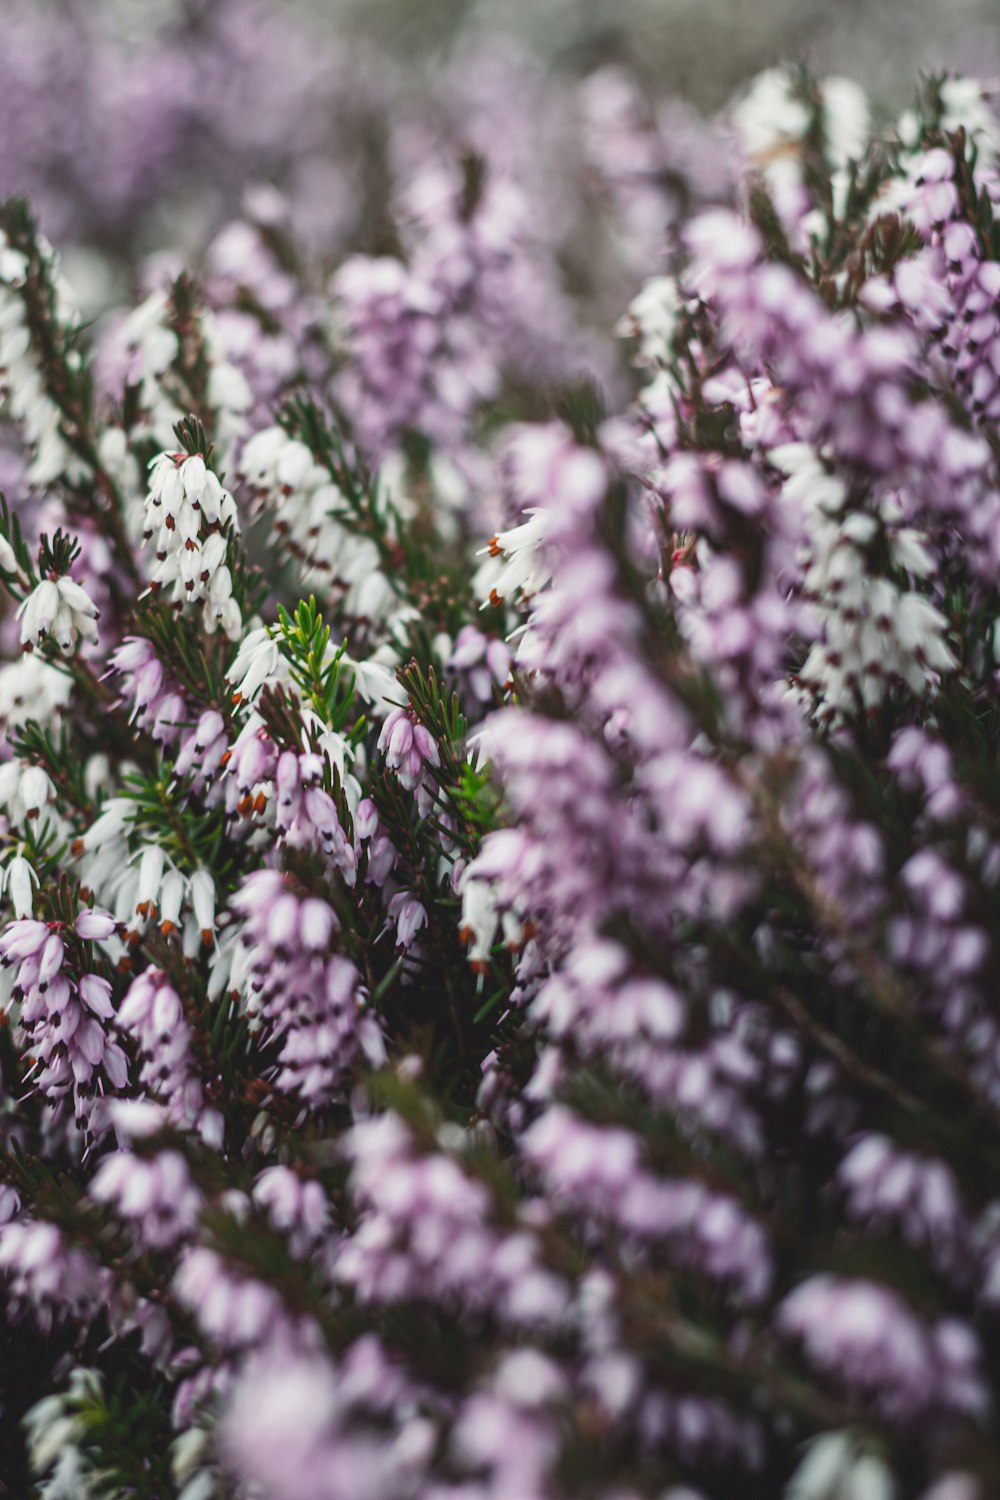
498 956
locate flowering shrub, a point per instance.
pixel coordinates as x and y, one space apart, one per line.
508 1016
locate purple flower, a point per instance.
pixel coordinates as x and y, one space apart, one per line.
408 747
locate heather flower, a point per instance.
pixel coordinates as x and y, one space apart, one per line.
498 970
425 1232
864 1336
62 609
257 661
33 687
191 516
333 1415
600 1173
56 1428
298 1208
652 318
408 747
155 1196
308 1000
309 514
481 661
62 1016
837 1465
46 1275
24 386
234 1312
19 879
152 1015
409 916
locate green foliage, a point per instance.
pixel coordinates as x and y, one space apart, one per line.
121 1429
193 438
419 566
10 530
162 814
53 751
324 678
187 379
197 661
57 554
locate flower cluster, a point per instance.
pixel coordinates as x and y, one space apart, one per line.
497 948
61 1015
191 515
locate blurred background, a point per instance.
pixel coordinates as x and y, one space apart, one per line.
138 124
703 49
